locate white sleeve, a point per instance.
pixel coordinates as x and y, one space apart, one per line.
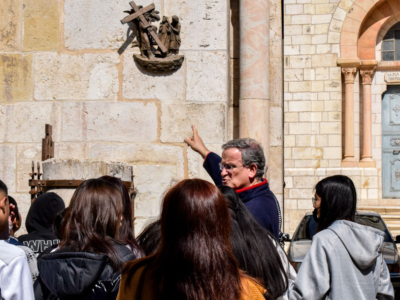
16 280
290 272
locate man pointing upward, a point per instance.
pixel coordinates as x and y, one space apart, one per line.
242 168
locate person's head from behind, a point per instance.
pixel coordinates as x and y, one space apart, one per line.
126 229
338 200
4 206
16 218
195 245
243 163
149 238
42 212
254 248
93 219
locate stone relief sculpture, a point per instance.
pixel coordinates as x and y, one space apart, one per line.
166 57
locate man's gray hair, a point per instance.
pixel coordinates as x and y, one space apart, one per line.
252 153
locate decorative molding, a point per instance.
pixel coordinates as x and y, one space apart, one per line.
349 74
367 75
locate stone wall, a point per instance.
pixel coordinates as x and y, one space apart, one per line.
59 64
313 102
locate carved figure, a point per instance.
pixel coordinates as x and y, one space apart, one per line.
145 45
164 32
175 36
168 38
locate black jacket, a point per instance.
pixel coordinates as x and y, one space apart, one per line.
39 222
79 275
259 199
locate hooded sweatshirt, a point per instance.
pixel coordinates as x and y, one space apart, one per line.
39 222
344 262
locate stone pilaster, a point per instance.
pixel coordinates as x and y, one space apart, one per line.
254 71
367 160
349 76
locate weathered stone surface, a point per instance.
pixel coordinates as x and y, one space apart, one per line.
26 153
204 23
195 162
141 84
109 121
207 76
151 182
22 123
10 25
41 25
82 169
209 119
95 24
56 168
16 82
70 150
76 77
7 166
140 153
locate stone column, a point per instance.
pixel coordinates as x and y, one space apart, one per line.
367 160
349 159
254 71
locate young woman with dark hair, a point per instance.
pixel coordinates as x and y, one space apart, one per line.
126 232
256 249
345 258
194 260
92 250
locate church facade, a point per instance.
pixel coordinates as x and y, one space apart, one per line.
314 80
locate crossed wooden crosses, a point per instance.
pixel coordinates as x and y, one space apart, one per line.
139 13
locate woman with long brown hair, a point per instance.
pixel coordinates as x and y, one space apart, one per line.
126 229
194 260
92 250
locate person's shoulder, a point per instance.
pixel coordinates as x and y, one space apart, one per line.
9 253
325 237
252 290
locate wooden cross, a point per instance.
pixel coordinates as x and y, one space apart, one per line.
48 144
139 13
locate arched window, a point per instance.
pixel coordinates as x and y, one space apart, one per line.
391 44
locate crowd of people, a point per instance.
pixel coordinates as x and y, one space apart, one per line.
212 241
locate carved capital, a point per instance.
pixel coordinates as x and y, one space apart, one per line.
349 74
367 75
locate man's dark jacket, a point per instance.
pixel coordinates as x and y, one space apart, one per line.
259 199
39 222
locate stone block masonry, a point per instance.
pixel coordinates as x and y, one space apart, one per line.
59 65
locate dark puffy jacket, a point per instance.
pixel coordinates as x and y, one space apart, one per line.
79 275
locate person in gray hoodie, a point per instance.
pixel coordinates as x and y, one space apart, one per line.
345 259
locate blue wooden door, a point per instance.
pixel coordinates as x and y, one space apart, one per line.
391 142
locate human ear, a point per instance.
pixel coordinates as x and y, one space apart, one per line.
3 204
252 171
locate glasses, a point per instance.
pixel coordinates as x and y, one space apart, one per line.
228 168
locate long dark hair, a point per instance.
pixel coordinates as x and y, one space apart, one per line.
92 220
338 200
254 247
194 260
126 232
149 238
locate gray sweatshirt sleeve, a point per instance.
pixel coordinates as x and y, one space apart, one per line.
313 279
385 288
